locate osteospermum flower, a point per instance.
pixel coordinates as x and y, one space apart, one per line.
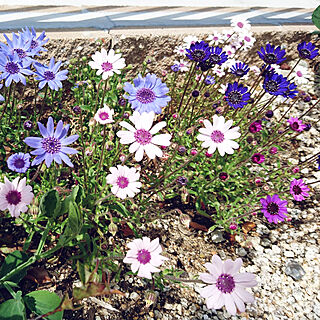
124 181
144 256
240 69
104 115
50 75
257 158
53 145
247 40
147 94
219 135
240 25
142 137
198 51
180 50
299 190
296 124
275 84
307 50
226 285
15 196
215 38
217 57
274 208
189 40
236 95
19 162
271 55
184 66
107 63
291 91
301 75
255 127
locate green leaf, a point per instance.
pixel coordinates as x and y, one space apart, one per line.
50 204
12 261
316 17
120 208
13 309
42 302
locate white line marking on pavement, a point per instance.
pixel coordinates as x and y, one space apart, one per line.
76 17
248 15
201 15
5 17
287 15
146 15
308 18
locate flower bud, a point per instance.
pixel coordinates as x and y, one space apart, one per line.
122 157
112 228
254 213
295 170
273 150
28 125
175 116
76 109
258 181
150 297
195 93
126 115
182 149
266 187
223 176
122 102
193 152
209 155
233 226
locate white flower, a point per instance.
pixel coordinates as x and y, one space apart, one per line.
104 115
107 63
223 88
124 181
142 137
184 66
15 196
240 25
301 75
180 50
189 40
247 39
215 38
219 135
144 256
219 72
230 50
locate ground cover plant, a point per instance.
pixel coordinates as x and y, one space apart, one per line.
128 152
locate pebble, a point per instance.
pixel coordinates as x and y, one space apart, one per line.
294 270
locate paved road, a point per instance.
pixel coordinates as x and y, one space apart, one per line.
113 18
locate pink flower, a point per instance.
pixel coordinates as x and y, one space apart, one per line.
299 190
227 286
296 124
144 256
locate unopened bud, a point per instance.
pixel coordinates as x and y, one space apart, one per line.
233 226
151 298
112 228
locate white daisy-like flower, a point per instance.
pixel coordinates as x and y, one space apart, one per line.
124 181
104 115
189 40
223 88
107 63
142 136
219 72
219 135
184 66
240 25
301 75
15 196
230 50
180 50
247 39
215 38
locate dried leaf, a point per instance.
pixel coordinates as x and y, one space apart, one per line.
248 226
198 226
39 275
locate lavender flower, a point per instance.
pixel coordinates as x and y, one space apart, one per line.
52 147
307 50
271 55
296 124
36 44
19 162
274 208
299 190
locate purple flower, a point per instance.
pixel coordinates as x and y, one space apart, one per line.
52 147
209 80
258 158
237 95
175 68
182 180
217 57
274 208
13 68
1 96
299 190
148 94
296 124
198 52
275 84
318 161
273 150
290 91
19 162
271 55
240 69
307 50
50 75
255 127
226 285
36 44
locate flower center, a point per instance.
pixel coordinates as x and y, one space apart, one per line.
144 256
12 68
294 125
13 197
296 190
217 136
143 136
299 74
272 85
215 58
240 24
145 95
106 66
305 53
104 115
34 44
225 283
122 182
19 163
235 97
51 145
240 72
271 58
21 53
198 55
273 208
248 39
49 75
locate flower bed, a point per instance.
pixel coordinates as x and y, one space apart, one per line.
127 169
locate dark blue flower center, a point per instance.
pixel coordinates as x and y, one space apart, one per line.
19 163
198 55
145 95
272 85
217 136
215 58
235 97
225 283
21 53
51 145
122 182
12 68
143 136
296 190
270 58
144 256
273 208
305 53
34 44
49 75
240 72
13 197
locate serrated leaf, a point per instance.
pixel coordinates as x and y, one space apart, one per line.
50 204
13 309
316 17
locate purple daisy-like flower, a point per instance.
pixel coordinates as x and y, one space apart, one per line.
272 55
274 208
217 57
147 94
318 161
19 162
13 69
299 190
296 124
258 158
275 84
236 95
240 69
291 91
307 50
52 147
36 43
51 75
255 127
1 96
198 52
209 80
175 67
